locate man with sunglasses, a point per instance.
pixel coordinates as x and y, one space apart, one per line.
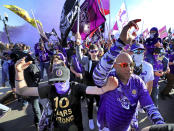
117 107
65 96
142 69
89 63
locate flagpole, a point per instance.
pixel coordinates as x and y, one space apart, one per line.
35 20
37 25
78 17
142 27
109 15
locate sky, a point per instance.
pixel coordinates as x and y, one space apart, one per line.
152 12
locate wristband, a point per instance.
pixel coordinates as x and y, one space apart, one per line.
19 80
120 41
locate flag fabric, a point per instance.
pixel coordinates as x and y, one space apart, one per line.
92 33
145 33
90 18
33 22
98 31
95 35
68 16
104 6
163 32
115 26
122 16
22 13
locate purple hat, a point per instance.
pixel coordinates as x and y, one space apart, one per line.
62 57
136 46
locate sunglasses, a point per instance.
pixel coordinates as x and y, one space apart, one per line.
93 51
138 51
124 64
60 81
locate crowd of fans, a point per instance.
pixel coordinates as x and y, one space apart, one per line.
90 63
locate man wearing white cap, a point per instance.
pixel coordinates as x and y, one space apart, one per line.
142 69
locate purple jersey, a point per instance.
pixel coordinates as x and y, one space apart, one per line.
118 106
149 44
76 64
43 56
157 66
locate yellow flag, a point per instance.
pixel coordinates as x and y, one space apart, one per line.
32 22
22 13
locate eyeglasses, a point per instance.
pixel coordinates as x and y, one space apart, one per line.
93 51
124 64
60 81
138 51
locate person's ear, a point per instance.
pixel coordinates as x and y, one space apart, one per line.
115 66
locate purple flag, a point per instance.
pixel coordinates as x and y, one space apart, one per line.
104 6
163 32
90 18
115 26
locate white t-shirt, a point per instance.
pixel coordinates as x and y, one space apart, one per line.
147 72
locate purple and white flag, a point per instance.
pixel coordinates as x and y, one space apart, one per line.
90 18
122 16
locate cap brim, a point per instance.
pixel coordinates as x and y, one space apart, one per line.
57 79
138 48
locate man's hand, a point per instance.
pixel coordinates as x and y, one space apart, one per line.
159 73
111 84
21 65
78 39
79 75
125 36
158 44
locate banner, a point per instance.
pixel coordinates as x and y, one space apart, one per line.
68 16
23 14
163 32
104 6
90 18
122 16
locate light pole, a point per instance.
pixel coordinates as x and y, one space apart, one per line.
4 20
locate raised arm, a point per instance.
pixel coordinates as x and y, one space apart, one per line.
20 83
82 59
106 63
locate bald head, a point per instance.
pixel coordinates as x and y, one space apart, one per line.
123 73
123 57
